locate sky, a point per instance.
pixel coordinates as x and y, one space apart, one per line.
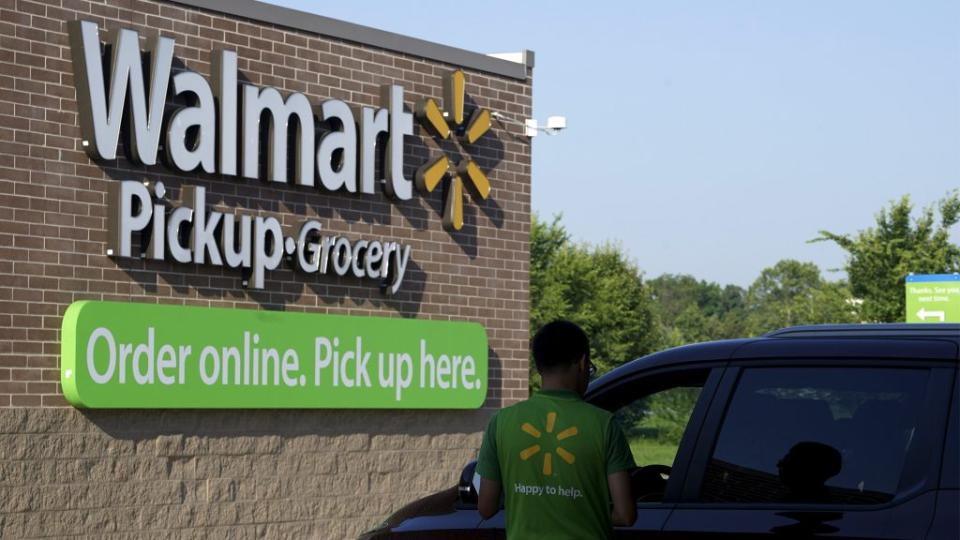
716 138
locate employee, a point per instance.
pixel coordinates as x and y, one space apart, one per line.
558 461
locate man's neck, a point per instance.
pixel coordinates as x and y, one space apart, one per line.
557 385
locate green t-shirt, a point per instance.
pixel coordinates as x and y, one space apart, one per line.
552 454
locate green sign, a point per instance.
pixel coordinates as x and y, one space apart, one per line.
119 355
933 298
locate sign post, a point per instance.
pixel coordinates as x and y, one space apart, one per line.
933 298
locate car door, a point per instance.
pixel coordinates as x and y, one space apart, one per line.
661 412
820 438
946 520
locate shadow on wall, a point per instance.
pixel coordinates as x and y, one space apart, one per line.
138 425
406 301
282 289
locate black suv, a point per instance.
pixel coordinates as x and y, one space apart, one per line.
836 431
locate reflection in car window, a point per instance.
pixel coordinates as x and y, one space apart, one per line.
654 424
816 435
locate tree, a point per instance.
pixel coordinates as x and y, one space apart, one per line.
793 293
880 258
595 287
690 310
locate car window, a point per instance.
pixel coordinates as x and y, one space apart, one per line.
655 423
816 435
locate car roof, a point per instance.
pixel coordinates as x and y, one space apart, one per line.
941 341
950 331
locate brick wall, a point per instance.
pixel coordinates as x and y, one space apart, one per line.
320 473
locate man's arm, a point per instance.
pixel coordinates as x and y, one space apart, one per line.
619 464
624 507
489 498
488 467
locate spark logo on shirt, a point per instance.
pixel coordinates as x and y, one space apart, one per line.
535 449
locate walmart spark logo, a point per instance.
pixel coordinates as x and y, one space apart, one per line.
531 451
466 170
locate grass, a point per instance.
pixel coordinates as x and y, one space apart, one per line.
649 452
654 424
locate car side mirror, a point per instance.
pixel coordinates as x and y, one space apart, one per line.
468 488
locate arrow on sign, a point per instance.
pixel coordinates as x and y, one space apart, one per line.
923 314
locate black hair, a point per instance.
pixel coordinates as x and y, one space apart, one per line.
559 343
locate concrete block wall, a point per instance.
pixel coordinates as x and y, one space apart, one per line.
210 473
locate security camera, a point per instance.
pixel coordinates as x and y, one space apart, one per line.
531 127
556 123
